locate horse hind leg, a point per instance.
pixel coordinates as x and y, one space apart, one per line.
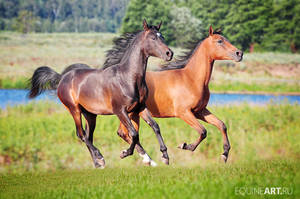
123 133
97 157
95 153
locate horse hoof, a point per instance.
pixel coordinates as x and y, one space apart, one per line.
182 146
224 158
100 163
123 154
165 160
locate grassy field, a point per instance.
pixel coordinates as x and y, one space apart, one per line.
21 54
41 157
216 181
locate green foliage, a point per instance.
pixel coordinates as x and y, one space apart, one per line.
185 26
283 32
154 11
16 83
64 16
25 21
246 22
270 25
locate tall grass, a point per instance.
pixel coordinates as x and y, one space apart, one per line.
38 137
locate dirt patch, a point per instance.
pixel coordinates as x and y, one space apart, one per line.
284 71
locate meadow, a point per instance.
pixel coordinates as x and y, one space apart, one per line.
41 156
21 54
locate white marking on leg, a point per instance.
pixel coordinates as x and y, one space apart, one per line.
153 164
148 160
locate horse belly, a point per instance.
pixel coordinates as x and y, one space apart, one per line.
96 102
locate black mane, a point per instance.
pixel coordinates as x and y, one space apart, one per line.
184 59
121 44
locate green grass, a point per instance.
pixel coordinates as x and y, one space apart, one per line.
254 87
41 157
14 83
214 181
41 137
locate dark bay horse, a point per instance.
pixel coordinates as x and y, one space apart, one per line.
118 89
181 89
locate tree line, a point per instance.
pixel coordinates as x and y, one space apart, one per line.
62 15
253 25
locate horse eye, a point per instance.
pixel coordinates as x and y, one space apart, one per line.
220 41
154 38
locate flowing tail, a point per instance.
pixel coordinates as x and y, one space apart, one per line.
45 78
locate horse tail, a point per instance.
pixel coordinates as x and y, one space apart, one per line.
43 78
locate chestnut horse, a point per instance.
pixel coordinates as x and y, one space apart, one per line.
181 89
118 89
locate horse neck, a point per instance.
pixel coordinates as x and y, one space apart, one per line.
200 65
136 61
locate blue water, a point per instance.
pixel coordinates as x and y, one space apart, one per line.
14 97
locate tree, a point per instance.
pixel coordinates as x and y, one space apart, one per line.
25 22
283 33
246 22
185 26
153 11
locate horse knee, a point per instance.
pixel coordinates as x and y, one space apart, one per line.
222 126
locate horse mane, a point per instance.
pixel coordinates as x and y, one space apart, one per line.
121 44
182 60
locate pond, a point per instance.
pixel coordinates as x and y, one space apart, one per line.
11 97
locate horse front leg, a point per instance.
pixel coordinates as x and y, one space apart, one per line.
152 123
210 118
124 134
125 120
190 119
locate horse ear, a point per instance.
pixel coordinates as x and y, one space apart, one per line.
146 27
158 27
211 31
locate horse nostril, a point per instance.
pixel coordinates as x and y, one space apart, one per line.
168 53
238 53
